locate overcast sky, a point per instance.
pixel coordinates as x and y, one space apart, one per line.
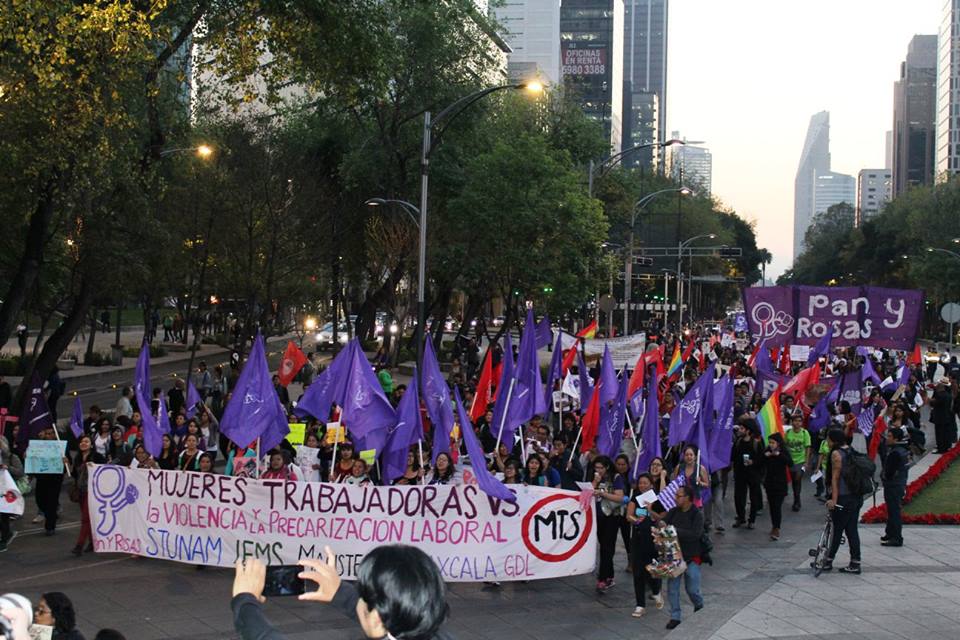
746 75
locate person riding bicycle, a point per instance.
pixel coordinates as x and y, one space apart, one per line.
844 503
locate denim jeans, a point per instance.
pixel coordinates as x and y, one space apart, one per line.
691 582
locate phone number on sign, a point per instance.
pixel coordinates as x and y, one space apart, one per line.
584 69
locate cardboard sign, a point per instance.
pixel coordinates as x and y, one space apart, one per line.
45 456
335 433
799 352
368 456
297 433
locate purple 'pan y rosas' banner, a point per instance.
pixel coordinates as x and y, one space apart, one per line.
869 316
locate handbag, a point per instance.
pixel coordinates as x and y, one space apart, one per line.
25 485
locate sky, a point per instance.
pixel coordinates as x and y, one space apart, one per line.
746 75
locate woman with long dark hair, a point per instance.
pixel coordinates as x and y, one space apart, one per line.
608 490
693 477
533 474
641 517
444 472
168 453
777 463
85 454
55 610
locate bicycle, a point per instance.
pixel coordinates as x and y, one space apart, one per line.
819 554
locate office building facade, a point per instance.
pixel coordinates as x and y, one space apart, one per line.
814 161
831 188
691 166
948 93
874 190
532 30
591 61
914 106
645 74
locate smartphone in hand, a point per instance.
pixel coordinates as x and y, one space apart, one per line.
283 580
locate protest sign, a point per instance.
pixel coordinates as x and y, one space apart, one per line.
335 433
368 456
306 458
11 500
623 350
45 456
799 352
888 318
215 520
298 431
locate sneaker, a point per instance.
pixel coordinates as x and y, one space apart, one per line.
610 584
697 607
852 568
749 525
601 585
658 600
673 624
796 507
884 538
637 612
892 543
775 534
37 519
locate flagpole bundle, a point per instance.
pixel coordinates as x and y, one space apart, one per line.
56 432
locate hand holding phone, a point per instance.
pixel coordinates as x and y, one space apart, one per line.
284 580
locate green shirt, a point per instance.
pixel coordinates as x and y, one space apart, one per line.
825 452
797 444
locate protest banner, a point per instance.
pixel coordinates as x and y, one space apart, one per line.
623 350
209 519
45 456
298 431
856 316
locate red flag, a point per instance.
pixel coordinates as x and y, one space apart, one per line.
636 378
785 360
916 357
688 350
497 375
293 360
879 427
484 396
591 422
806 378
753 356
568 358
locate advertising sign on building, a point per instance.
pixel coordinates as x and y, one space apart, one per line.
583 61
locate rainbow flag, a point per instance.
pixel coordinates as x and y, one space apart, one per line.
770 417
588 331
676 362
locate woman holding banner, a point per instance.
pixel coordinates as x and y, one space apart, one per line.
445 471
608 490
87 454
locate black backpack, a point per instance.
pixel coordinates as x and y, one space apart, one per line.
857 472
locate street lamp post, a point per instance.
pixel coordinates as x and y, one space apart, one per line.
628 267
680 248
608 163
430 142
946 251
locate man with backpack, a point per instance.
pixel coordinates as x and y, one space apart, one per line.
850 474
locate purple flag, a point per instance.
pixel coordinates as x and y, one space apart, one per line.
586 383
869 373
163 421
436 395
685 415
668 496
768 381
822 348
366 411
36 414
905 374
526 396
865 421
504 391
151 431
650 430
327 389
544 332
819 416
851 390
407 430
486 481
704 425
254 410
612 416
608 378
720 437
554 373
193 399
763 362
76 420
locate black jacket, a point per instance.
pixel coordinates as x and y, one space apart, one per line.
775 480
251 624
895 466
689 526
941 406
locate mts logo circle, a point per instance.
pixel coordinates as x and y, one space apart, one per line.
556 528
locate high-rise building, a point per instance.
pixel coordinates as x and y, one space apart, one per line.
831 188
888 148
532 29
645 73
948 93
591 60
691 166
874 189
914 103
814 161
